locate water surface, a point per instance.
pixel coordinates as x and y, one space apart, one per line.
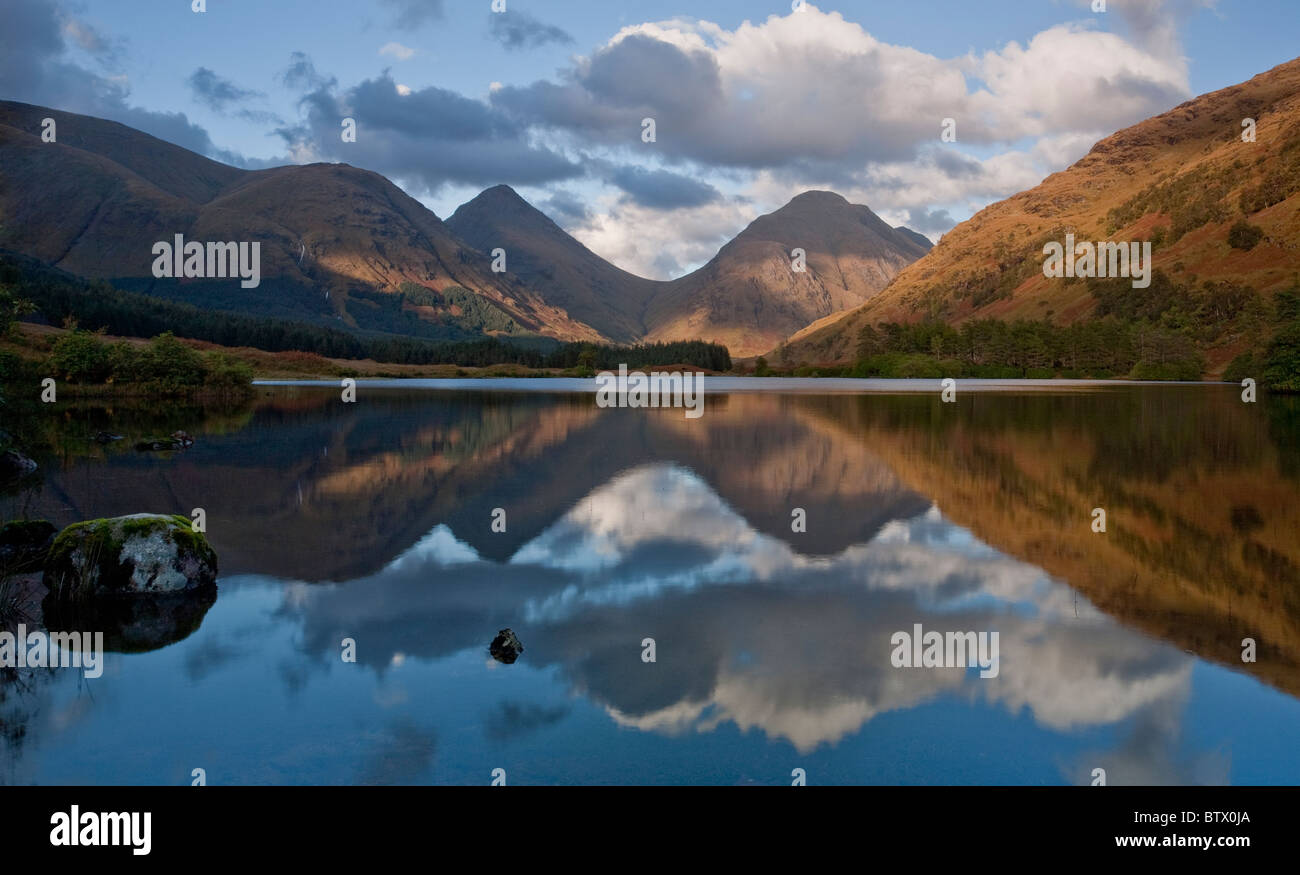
373 521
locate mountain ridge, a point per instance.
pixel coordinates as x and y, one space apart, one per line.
338 241
1181 180
747 296
331 233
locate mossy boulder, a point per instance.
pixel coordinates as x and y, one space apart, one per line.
129 556
24 545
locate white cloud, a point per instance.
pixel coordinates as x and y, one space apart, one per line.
660 244
398 51
812 100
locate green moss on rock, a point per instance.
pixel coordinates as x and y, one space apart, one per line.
143 554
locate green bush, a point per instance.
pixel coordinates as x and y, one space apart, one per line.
1282 360
170 365
80 357
226 374
1241 367
124 362
12 368
1244 235
994 372
1168 370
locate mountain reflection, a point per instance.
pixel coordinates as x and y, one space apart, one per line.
373 522
747 629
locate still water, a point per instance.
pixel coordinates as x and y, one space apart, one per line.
373 521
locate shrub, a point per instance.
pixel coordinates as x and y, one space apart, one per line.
226 374
11 307
1167 370
1241 367
80 357
124 362
1282 360
170 365
1244 235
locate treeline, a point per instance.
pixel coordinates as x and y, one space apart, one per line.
1276 363
993 348
63 298
164 366
590 356
1151 334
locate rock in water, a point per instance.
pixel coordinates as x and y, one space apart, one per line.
14 466
24 545
506 647
132 625
138 555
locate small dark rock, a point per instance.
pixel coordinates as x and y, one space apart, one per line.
506 647
24 544
14 466
156 444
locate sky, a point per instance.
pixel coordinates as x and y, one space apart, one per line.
752 102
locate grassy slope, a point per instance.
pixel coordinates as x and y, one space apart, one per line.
991 265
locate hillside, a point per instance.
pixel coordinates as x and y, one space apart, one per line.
555 265
1222 215
337 243
346 247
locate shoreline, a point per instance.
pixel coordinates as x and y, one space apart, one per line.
736 384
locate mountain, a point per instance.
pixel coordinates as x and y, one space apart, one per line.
919 239
337 242
344 245
748 297
555 265
1222 215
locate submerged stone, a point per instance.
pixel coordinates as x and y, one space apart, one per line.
133 625
14 466
24 544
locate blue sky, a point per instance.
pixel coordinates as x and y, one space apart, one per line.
754 102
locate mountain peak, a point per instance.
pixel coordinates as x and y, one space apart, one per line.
499 200
501 192
818 196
